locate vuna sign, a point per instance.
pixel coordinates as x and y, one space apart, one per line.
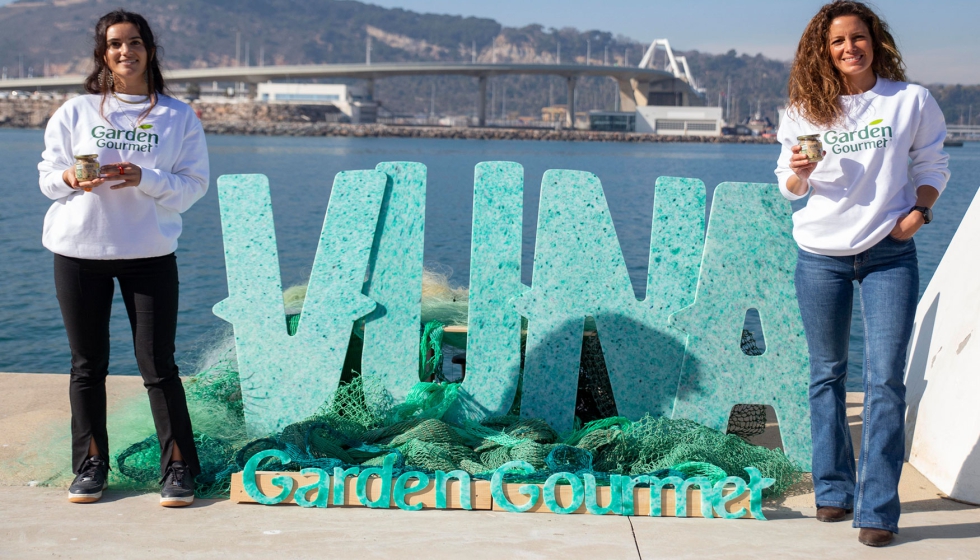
674 353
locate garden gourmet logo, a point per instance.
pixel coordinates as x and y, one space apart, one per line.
871 137
136 140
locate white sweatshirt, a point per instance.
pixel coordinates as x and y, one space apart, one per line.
133 222
890 144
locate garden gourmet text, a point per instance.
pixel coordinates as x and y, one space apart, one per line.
870 137
134 140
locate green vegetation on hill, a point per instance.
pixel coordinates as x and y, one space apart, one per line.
197 32
960 104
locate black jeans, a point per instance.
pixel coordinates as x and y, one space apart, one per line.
150 289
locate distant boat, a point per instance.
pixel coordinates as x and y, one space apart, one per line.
952 143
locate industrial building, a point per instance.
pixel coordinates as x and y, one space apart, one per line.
679 121
352 101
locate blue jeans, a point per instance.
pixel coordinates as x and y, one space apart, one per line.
889 277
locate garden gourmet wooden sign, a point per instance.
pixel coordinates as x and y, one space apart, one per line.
377 487
674 354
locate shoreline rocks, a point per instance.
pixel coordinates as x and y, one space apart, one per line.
259 119
252 128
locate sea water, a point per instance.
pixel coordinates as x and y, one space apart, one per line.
301 171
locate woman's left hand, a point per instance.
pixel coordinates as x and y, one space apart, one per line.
906 226
130 173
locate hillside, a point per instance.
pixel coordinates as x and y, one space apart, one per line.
54 36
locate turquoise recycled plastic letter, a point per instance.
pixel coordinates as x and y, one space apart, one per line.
493 343
384 473
615 495
749 262
722 499
656 491
579 271
252 489
707 497
756 485
321 486
389 362
402 490
340 481
578 493
529 490
628 484
286 378
442 481
642 353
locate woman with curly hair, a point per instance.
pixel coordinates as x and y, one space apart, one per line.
123 225
882 169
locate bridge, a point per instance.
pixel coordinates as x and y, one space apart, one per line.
962 132
637 86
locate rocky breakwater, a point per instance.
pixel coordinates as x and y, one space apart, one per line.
318 120
457 133
26 113
34 112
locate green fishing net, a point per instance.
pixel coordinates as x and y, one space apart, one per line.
346 433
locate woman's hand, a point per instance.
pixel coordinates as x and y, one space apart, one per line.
130 173
907 225
802 167
68 176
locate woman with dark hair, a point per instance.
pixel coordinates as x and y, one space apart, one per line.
883 168
123 224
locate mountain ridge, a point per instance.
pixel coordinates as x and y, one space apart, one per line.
195 33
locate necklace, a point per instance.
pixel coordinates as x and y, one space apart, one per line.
140 102
122 110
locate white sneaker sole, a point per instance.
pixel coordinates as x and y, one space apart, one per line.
176 502
76 498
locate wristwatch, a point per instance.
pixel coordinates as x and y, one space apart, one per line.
926 213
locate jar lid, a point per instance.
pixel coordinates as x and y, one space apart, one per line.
808 137
87 156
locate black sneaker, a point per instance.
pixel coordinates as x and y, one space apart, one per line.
178 486
90 481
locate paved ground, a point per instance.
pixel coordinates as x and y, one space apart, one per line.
39 522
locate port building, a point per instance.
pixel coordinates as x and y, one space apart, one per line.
352 101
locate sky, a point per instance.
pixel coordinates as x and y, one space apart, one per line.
940 40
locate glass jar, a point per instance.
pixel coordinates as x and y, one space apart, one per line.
86 167
811 147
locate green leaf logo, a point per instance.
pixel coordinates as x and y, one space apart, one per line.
149 126
872 123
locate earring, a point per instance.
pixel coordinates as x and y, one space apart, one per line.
106 78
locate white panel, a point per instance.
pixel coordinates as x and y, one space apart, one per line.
943 375
646 119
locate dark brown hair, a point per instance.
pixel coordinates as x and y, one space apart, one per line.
815 84
98 80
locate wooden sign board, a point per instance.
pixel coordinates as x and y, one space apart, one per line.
641 500
479 495
479 491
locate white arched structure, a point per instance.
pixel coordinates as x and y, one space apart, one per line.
673 65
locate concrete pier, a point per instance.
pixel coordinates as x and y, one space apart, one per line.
570 114
482 113
39 522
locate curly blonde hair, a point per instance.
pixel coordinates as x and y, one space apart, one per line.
815 84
